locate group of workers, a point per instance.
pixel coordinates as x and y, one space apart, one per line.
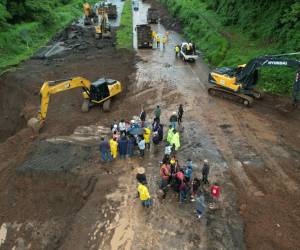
188 49
158 40
176 177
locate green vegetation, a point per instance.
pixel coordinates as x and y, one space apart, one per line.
26 25
124 32
232 32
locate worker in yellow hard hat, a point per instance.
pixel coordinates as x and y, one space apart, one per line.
164 41
154 34
158 41
177 49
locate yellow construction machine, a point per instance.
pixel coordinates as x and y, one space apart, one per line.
102 29
89 15
238 83
94 93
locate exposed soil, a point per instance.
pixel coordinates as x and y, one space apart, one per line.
44 185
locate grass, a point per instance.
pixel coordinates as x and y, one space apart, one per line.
124 32
229 45
20 41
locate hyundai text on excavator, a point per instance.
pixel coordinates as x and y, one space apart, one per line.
94 93
238 83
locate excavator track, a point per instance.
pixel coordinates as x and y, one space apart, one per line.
226 94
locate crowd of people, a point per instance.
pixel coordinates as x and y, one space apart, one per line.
126 137
178 178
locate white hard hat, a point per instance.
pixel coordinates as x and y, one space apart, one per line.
132 121
174 113
205 161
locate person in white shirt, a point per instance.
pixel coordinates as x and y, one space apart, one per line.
122 127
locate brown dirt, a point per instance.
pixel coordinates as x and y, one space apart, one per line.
45 199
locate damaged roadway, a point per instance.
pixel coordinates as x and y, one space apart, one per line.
56 194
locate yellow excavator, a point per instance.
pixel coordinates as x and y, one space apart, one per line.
102 29
238 83
89 15
94 93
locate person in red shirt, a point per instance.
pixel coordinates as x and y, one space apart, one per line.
215 191
165 173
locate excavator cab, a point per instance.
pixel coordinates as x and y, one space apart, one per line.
99 90
94 93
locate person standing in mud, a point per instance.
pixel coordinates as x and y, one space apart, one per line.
180 114
144 195
122 146
143 117
177 50
130 145
165 176
205 172
105 150
141 176
147 136
200 206
157 113
113 147
141 145
158 41
173 120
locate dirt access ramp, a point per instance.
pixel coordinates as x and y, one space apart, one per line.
43 184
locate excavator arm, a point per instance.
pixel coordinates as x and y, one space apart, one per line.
54 87
246 75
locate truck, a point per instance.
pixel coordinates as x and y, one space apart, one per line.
109 8
112 11
135 4
188 52
144 36
152 15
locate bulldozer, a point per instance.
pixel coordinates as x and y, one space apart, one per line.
238 83
94 93
90 16
102 29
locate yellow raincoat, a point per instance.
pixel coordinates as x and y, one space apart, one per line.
170 135
147 133
176 140
143 192
113 148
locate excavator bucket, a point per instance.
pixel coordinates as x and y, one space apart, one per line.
34 124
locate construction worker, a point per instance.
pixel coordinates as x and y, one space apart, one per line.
147 134
164 41
144 195
177 49
167 35
154 34
170 134
175 140
113 147
158 41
